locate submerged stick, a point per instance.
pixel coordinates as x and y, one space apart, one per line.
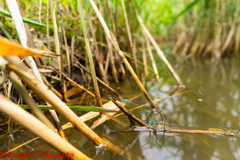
178 130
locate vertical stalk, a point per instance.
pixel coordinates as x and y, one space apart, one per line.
13 7
110 51
115 44
89 53
114 71
100 64
130 37
159 51
151 56
48 44
144 59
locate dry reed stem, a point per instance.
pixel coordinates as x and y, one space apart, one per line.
126 112
151 56
178 130
159 51
117 59
237 43
115 44
85 117
22 71
72 53
89 54
13 7
48 44
99 80
144 59
51 87
91 115
102 119
68 54
107 63
130 36
110 52
112 63
37 127
99 59
229 38
31 103
157 100
72 81
51 98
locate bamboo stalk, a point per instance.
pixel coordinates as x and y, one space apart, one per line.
89 53
38 128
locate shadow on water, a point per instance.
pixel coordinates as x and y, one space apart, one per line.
214 104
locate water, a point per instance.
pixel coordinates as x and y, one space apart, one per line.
214 103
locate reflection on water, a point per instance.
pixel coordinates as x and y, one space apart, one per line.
214 103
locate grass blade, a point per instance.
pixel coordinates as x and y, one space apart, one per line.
75 108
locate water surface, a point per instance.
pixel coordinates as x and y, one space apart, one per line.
213 103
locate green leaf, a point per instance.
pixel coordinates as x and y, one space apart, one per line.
76 108
35 23
189 6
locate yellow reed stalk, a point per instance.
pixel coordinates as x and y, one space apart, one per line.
42 90
151 56
115 44
89 53
38 128
159 51
144 59
31 103
130 36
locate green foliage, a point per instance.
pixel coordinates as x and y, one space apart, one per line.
75 108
